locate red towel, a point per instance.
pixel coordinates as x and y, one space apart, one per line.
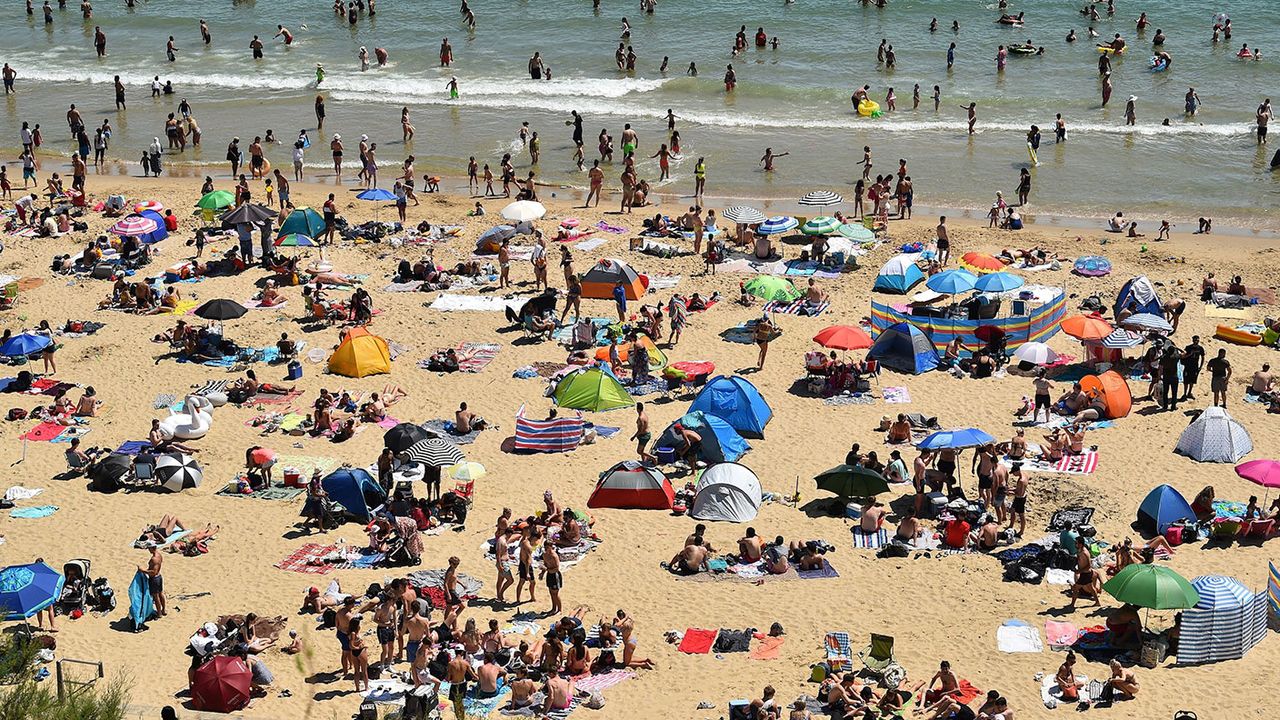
767 648
697 642
44 432
966 692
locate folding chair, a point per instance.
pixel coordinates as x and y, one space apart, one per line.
144 469
1225 529
1258 529
872 370
465 490
879 662
10 298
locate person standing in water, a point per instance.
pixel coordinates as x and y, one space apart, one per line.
1059 129
972 110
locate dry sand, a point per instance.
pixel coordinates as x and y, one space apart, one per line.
947 608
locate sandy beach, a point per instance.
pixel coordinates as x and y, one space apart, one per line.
935 607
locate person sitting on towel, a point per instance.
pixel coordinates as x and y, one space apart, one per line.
465 421
1066 678
689 561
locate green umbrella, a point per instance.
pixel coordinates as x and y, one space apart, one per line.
216 200
848 481
857 233
1152 586
768 287
821 225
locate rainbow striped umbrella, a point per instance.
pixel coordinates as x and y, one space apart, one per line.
295 240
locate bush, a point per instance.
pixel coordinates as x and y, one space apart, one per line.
22 698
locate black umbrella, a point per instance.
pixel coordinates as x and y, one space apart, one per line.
849 481
536 305
220 310
249 213
404 436
107 473
435 452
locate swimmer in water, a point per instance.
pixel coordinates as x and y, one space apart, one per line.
283 32
452 87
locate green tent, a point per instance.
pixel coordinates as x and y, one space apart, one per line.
850 481
591 388
304 221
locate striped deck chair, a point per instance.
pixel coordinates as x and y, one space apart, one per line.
839 651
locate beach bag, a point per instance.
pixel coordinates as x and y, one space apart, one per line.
17 414
102 271
1173 534
893 550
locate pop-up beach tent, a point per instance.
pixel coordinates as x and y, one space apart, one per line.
727 492
736 401
720 442
1162 507
903 346
632 485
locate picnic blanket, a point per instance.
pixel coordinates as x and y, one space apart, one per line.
663 282
44 432
445 429
474 357
767 648
34 512
870 541
896 395
798 307
839 651
826 571
851 399
1015 636
49 386
88 328
450 302
257 305
308 560
697 641
1074 516
275 492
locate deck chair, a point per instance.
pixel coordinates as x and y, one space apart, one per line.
1258 529
879 662
872 370
465 490
1225 529
10 298
144 469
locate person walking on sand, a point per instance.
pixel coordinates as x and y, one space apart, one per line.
642 435
762 334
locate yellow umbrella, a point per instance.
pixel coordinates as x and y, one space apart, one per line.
466 470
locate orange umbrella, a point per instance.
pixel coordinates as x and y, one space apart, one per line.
1086 327
980 263
843 337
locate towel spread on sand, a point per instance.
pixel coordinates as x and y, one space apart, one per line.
798 307
18 492
307 560
449 302
896 395
44 432
697 641
767 648
591 244
869 541
1018 638
826 571
839 651
602 681
445 429
663 282
1060 634
32 513
474 357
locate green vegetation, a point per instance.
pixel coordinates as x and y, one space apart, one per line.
23 698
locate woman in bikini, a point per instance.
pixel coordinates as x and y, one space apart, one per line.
578 661
360 663
626 627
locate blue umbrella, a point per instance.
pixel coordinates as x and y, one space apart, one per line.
25 344
951 439
161 232
27 589
778 224
1219 592
376 195
999 282
952 282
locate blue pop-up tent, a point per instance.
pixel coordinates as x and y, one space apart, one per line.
1162 507
904 347
355 490
899 275
720 442
736 401
1140 291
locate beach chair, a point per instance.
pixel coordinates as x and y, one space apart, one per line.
871 369
878 658
1260 529
10 299
144 468
465 490
1225 529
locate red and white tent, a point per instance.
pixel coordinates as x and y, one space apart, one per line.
632 485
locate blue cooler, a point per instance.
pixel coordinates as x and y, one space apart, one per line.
295 370
665 455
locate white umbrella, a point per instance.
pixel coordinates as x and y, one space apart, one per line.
743 214
524 211
436 452
1036 353
177 472
1119 339
821 198
1147 321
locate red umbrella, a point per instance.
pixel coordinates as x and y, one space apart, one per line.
843 337
221 685
989 333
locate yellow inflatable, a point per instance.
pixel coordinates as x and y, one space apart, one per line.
868 108
1239 337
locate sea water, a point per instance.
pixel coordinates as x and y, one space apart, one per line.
794 99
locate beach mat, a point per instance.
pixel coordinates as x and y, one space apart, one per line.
444 428
474 357
275 492
33 513
870 541
1224 313
697 641
896 395
798 307
826 571
44 432
1018 637
767 648
305 560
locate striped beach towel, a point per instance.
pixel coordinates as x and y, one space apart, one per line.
213 386
869 541
1082 464
839 651
562 434
305 560
602 681
474 357
798 307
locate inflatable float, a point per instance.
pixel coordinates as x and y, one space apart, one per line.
869 108
1239 337
1106 49
1023 50
1159 64
194 422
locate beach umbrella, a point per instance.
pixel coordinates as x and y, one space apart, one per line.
252 213
743 214
998 282
27 589
221 685
953 439
778 224
1261 472
466 471
952 282
435 452
989 333
145 205
216 200
295 240
770 288
850 481
981 263
1036 353
843 337
220 310
262 456
133 226
494 236
821 198
1219 592
304 220
856 233
403 436
1092 266
1086 327
24 344
111 469
177 472
1154 587
1147 321
1120 339
821 225
376 195
524 211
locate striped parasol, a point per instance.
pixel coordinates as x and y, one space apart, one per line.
177 472
1147 321
743 214
1219 592
133 226
435 452
821 225
821 198
1120 339
778 224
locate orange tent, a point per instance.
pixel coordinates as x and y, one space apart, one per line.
657 359
598 282
1086 327
1113 390
361 353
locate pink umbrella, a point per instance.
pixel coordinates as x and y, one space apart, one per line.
148 205
133 226
1263 472
262 456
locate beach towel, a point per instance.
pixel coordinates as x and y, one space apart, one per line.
602 225
72 433
663 282
733 641
1051 695
182 308
767 648
306 465
852 399
591 244
403 287
1055 576
275 492
798 307
257 305
306 560
449 302
839 651
965 692
274 398
651 386
1228 509
33 513
474 357
44 432
896 395
1060 635
697 641
603 681
1015 636
87 328
212 386
49 386
387 422
141 606
870 541
1081 464
163 400
133 447
801 268
1075 516
1225 313
445 429
18 492
826 571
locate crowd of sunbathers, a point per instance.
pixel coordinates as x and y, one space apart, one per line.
845 695
339 415
777 556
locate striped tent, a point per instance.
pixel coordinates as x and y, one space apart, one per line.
561 434
1227 622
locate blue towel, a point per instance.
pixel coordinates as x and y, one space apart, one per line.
31 513
141 605
607 432
133 447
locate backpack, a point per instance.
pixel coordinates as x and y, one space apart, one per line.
17 414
